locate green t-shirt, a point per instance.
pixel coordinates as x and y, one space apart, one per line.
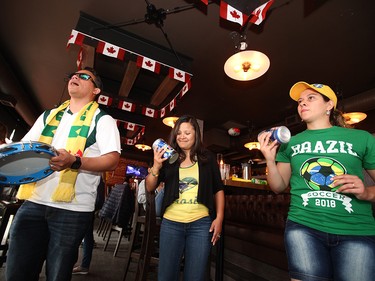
315 157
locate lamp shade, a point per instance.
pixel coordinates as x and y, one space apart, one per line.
252 145
354 117
246 65
142 146
170 121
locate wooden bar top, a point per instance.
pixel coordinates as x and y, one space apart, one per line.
246 184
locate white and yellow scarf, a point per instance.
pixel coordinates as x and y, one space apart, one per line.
76 142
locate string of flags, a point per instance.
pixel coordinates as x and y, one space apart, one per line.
117 52
232 14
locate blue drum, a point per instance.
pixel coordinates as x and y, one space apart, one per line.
25 162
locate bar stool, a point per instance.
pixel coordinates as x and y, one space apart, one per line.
151 224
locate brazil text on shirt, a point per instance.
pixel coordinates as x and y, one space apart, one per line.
329 146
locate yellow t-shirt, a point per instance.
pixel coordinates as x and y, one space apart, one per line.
186 208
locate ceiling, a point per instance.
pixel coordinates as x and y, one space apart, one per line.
330 42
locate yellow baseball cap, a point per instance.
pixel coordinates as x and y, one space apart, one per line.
325 90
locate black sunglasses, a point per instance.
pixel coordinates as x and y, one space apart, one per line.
83 76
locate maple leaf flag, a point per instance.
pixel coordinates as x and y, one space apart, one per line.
105 100
162 112
232 14
172 104
127 106
75 38
178 74
185 88
110 50
149 112
148 64
129 141
259 14
205 1
130 126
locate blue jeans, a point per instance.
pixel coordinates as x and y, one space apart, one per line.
189 240
40 233
314 255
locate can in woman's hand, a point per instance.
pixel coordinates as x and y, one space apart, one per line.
280 134
169 152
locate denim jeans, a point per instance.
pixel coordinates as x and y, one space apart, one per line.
189 240
314 255
40 233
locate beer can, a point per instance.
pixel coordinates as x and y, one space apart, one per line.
280 134
169 153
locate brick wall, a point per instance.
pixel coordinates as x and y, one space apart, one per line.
118 175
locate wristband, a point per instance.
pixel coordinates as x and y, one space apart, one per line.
152 172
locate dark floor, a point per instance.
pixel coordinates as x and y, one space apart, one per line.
104 267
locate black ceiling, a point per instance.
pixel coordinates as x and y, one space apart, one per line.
330 42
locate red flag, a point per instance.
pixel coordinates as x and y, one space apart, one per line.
110 50
178 74
259 14
129 141
75 38
232 14
127 106
102 99
149 112
148 64
205 1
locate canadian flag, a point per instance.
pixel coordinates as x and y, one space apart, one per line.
102 99
172 104
75 38
127 106
110 50
259 14
185 88
148 64
129 141
80 59
149 112
232 14
130 126
205 1
178 74
162 112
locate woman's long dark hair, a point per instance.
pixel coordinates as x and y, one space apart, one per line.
335 117
198 152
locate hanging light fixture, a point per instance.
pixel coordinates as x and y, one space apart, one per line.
142 146
170 121
252 145
246 64
354 117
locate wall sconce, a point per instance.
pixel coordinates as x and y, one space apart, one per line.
170 121
142 146
354 117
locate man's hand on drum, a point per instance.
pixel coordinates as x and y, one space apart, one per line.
62 161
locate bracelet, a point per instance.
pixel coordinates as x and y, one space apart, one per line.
152 172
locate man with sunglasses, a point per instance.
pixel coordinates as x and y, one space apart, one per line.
51 223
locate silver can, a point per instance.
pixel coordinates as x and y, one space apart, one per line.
170 153
280 134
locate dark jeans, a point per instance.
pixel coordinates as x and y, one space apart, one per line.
88 245
40 233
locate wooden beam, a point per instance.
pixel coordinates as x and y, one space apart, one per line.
130 75
88 56
165 88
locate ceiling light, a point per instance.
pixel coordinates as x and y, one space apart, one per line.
246 65
142 146
170 121
354 117
252 145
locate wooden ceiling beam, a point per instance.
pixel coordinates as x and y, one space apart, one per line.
165 88
128 80
88 56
